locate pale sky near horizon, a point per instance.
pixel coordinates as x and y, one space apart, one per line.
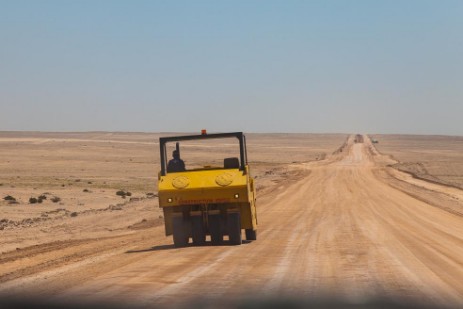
255 66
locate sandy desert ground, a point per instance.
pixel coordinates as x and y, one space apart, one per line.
336 218
433 158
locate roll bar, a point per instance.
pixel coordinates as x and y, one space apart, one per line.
164 140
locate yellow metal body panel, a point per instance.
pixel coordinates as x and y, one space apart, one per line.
226 188
203 187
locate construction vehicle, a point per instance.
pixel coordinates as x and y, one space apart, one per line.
214 199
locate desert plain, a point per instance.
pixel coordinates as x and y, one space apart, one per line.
336 218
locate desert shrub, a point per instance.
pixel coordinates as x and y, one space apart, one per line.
9 198
74 214
85 190
121 193
33 200
55 199
151 195
43 197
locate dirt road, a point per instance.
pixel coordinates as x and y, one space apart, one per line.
346 226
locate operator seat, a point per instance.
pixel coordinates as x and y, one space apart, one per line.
231 163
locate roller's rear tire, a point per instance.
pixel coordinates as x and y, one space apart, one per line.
180 233
197 230
251 234
234 228
215 229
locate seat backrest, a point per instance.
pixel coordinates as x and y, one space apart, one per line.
231 163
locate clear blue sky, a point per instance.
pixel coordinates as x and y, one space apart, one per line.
258 66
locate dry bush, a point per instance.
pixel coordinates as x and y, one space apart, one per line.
123 193
55 199
9 198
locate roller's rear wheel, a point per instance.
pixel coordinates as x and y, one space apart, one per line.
251 234
197 230
215 229
234 228
180 233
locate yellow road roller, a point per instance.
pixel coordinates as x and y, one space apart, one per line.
205 189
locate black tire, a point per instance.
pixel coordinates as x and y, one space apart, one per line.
197 230
234 228
180 234
215 229
251 234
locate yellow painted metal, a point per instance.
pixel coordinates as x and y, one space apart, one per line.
203 187
204 178
228 188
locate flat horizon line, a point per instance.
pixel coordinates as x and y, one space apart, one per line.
196 132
